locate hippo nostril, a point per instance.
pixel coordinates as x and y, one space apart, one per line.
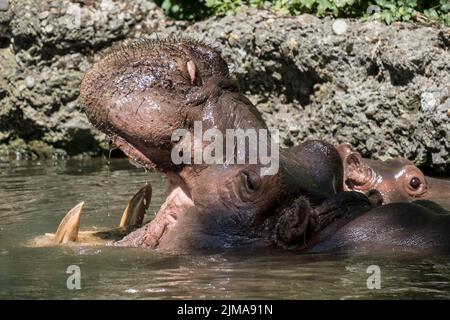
350 184
172 218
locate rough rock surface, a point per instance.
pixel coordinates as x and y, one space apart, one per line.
384 89
45 48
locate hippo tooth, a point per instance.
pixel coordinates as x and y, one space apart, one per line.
70 225
133 215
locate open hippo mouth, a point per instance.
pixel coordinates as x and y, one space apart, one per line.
144 91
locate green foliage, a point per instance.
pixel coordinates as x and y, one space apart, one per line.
224 6
186 10
337 8
426 11
405 10
440 12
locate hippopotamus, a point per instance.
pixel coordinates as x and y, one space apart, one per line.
142 92
397 180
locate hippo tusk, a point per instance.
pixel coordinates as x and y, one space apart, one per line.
191 70
133 215
70 225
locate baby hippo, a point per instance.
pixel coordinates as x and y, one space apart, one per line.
397 180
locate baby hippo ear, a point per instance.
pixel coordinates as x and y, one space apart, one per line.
344 150
350 157
353 160
357 174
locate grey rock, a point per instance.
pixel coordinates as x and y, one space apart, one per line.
29 82
384 89
4 5
43 15
46 48
340 27
427 102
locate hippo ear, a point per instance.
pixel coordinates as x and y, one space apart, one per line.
354 160
357 174
292 224
345 149
350 157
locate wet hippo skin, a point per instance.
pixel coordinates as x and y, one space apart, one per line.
397 180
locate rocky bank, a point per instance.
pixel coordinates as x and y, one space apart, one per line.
384 89
45 48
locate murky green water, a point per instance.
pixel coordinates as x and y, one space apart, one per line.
34 196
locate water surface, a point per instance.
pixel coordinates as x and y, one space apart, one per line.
34 196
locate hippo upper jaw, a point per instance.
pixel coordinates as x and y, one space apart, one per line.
144 92
138 158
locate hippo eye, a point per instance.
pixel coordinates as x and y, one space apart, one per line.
252 181
415 182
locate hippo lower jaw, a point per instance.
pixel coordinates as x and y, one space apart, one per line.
181 226
153 234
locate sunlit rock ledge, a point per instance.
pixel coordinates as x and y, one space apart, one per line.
384 89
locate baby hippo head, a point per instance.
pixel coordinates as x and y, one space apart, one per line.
395 179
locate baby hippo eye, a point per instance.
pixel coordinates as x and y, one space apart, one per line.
252 181
415 182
